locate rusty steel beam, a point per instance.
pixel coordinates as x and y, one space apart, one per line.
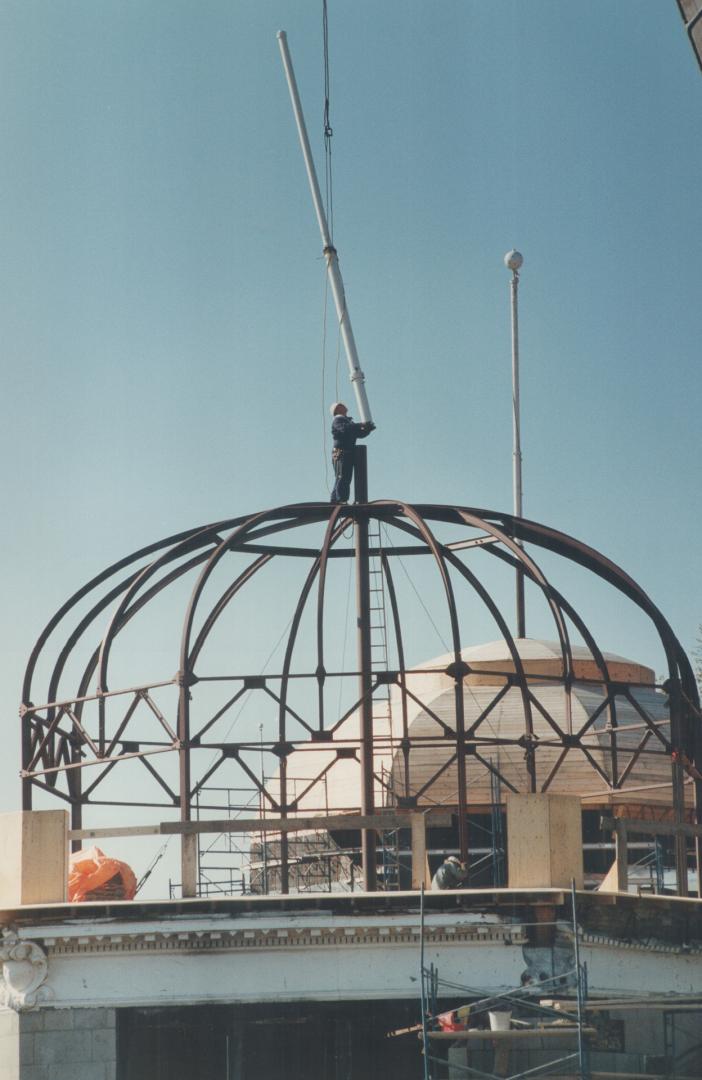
69 734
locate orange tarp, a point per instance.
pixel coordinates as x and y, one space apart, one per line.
92 875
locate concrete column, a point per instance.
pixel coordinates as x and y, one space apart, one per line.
58 1044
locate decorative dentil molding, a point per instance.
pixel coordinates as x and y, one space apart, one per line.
24 971
644 944
215 940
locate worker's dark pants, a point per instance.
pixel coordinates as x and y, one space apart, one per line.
343 471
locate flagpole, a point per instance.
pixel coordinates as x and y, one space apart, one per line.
513 261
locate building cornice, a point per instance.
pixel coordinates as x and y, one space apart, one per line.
315 931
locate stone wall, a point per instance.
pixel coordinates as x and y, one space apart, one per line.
58 1044
9 1045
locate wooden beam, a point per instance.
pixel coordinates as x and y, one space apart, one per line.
677 1001
608 1076
511 1036
188 858
656 828
420 863
661 1006
124 830
331 822
621 855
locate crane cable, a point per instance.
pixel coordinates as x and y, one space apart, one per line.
152 865
328 132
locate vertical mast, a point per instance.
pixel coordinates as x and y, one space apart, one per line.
356 375
365 667
513 262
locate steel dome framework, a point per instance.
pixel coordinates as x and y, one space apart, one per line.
72 742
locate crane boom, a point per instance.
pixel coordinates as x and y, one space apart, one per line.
357 377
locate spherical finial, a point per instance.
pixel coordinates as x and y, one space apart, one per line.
513 260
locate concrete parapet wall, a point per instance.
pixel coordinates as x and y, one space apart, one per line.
33 857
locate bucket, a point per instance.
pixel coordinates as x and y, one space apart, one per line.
499 1021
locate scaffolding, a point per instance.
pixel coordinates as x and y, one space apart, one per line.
222 859
233 863
454 1027
237 864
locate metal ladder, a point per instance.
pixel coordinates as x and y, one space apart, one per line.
381 698
378 629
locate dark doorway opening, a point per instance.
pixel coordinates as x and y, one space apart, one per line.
290 1041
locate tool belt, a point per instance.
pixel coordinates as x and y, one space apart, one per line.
337 454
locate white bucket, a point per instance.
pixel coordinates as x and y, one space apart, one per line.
499 1021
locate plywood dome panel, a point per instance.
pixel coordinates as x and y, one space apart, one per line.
495 742
630 763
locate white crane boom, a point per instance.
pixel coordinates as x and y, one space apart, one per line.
356 375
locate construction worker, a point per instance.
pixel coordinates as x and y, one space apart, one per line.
344 434
451 874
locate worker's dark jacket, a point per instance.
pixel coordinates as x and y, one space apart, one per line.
345 432
448 876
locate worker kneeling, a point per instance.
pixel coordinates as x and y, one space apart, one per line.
451 874
345 432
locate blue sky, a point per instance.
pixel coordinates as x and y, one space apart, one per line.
162 287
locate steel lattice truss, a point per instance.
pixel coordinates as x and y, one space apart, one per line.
72 742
